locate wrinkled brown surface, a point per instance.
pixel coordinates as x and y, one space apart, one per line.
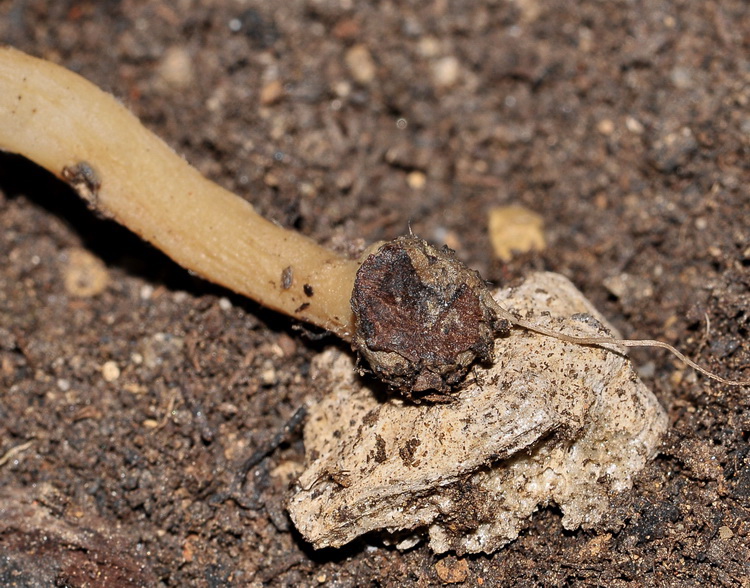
422 317
624 124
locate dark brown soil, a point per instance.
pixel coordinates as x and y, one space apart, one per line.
625 124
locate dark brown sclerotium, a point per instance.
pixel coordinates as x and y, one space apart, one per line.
422 317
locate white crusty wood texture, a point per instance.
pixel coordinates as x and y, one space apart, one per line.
548 422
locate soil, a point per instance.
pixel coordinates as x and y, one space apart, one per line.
132 397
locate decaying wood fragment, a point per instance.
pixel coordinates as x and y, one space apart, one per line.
549 422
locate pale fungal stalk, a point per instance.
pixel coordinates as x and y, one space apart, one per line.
417 314
81 134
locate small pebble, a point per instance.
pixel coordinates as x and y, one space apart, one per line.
446 71
342 89
347 29
268 376
110 371
606 127
725 532
451 570
634 125
515 229
84 274
416 180
360 64
146 292
428 46
627 286
287 345
271 93
176 68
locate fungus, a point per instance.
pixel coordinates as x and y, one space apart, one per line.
545 419
84 136
416 314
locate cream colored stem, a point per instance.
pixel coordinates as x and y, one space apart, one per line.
78 132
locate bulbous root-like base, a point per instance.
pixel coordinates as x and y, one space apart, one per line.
422 318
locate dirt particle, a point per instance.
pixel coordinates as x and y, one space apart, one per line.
84 275
594 548
515 229
176 68
360 64
380 455
110 371
605 127
189 547
347 28
271 93
634 125
428 46
452 570
446 71
406 453
371 418
287 345
725 533
416 180
287 278
673 150
268 375
83 178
